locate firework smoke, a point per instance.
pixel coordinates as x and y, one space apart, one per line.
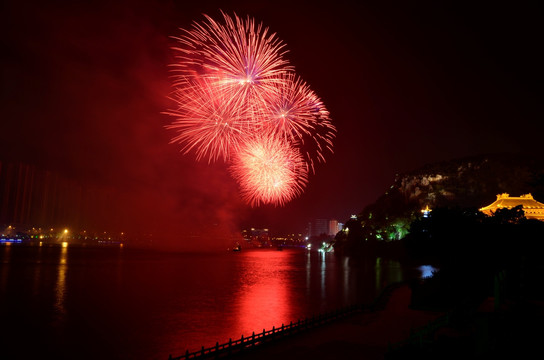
238 99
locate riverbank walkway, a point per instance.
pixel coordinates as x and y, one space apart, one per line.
366 334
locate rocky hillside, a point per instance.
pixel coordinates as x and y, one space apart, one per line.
466 183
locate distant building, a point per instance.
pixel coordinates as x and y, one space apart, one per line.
256 236
532 208
426 212
288 240
319 227
333 227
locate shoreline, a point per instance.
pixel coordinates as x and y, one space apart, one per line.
364 333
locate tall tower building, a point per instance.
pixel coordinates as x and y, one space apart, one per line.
320 226
333 227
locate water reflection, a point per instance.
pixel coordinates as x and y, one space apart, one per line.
37 272
387 271
60 285
308 272
322 273
378 270
6 254
146 305
346 277
264 296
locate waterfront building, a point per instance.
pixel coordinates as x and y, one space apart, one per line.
333 227
319 227
532 208
256 237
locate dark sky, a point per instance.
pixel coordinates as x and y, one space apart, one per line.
84 84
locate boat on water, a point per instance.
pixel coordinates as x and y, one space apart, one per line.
237 247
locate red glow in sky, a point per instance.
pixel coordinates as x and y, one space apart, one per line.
84 90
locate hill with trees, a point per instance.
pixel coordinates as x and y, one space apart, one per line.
467 183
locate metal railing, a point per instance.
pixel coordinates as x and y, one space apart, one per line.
266 336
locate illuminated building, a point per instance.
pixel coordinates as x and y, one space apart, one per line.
329 227
333 227
427 211
256 237
532 208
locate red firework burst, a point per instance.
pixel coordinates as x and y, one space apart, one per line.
297 114
239 100
243 58
207 122
269 171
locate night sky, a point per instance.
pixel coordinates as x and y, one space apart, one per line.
84 85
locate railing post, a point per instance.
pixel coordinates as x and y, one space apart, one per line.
202 350
230 345
187 354
253 338
169 356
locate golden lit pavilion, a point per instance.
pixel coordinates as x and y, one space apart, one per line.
532 208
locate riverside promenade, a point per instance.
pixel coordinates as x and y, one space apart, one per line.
364 335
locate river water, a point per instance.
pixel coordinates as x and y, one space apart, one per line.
113 303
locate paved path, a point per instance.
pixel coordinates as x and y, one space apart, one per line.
364 335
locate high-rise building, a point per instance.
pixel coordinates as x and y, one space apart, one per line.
333 227
319 227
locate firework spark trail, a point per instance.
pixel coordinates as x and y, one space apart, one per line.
243 58
269 171
207 122
239 100
296 113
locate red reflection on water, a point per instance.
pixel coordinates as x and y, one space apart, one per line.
263 301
